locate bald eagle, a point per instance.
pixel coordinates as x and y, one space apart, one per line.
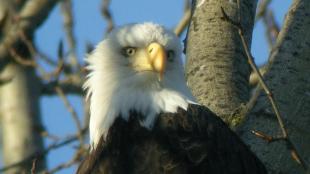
143 117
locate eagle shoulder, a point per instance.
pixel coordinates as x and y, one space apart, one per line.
189 141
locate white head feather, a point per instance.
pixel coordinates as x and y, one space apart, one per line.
114 88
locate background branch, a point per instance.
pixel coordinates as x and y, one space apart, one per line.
105 11
273 102
183 23
31 16
286 77
66 8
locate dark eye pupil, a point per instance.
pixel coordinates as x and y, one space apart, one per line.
130 51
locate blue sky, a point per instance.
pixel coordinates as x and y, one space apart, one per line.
90 27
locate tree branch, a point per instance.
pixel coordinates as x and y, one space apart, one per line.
37 155
31 16
216 68
263 84
183 23
107 15
70 85
288 78
66 8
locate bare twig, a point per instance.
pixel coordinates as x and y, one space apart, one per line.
76 158
52 146
107 15
45 134
69 86
262 8
253 99
74 115
62 166
46 58
295 155
29 62
66 8
179 29
33 50
30 18
272 28
266 137
28 43
21 60
60 65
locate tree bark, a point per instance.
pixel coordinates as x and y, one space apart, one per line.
288 78
217 69
19 97
21 124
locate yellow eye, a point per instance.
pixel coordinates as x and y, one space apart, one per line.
130 51
170 55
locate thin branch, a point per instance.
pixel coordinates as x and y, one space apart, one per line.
254 77
105 11
60 65
272 26
34 52
262 8
46 58
179 29
69 107
22 61
266 137
31 16
251 103
76 159
71 85
45 134
28 63
295 155
52 146
28 44
66 8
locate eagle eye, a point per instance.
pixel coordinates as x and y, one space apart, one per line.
170 55
129 51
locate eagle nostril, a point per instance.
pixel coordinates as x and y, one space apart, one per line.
150 50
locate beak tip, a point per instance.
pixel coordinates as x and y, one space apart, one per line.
157 57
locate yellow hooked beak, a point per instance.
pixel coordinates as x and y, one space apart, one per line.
152 58
157 57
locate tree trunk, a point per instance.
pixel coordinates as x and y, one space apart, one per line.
21 124
19 100
289 81
217 69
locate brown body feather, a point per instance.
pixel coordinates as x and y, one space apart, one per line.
193 141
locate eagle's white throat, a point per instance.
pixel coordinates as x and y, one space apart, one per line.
114 88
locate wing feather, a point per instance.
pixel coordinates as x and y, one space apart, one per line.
192 141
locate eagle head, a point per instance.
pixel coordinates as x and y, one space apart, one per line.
137 67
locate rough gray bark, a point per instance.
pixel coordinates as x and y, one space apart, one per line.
289 81
19 98
21 124
216 67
